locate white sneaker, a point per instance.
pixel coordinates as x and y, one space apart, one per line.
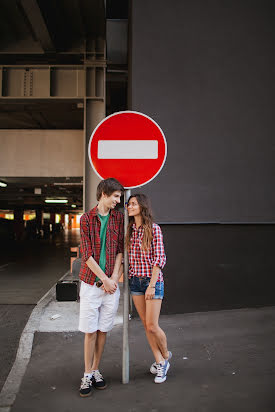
153 368
162 370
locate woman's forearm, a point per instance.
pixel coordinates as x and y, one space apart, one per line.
155 274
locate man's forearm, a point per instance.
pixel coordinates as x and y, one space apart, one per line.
117 268
94 266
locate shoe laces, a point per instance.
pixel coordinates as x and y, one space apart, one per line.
98 377
160 369
85 382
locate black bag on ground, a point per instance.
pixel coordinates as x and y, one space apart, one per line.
67 290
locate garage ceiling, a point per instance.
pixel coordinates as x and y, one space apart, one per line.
20 192
55 32
47 28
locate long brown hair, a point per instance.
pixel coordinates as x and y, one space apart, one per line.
147 221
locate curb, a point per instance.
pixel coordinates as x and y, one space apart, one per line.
14 379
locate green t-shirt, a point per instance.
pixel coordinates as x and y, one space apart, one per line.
103 231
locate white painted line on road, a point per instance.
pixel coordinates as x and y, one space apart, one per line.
12 384
127 149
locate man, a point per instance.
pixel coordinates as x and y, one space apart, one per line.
102 248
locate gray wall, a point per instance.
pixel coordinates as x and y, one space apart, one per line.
204 70
52 153
218 267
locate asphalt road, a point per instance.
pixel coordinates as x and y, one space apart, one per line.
13 319
222 361
28 269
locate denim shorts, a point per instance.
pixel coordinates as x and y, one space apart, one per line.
138 286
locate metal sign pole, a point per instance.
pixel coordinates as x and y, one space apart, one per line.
125 351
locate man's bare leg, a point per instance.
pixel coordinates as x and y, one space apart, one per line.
99 348
89 349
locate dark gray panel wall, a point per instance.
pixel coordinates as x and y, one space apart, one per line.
216 267
204 70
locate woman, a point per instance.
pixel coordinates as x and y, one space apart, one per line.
146 259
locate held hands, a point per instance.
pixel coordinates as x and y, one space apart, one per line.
150 293
109 285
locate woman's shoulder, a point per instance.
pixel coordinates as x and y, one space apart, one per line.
156 227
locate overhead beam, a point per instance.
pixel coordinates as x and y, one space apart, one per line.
77 19
40 120
38 24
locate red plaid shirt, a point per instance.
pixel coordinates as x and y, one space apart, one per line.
141 262
90 242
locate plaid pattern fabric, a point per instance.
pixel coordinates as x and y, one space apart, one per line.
141 262
90 242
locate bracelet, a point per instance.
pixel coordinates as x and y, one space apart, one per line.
154 287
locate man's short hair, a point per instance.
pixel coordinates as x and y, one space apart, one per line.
108 186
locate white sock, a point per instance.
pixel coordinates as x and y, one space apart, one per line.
88 375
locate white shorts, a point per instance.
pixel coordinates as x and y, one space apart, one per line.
97 308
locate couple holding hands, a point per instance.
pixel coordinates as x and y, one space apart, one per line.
102 247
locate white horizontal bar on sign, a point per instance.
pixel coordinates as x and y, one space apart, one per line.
127 149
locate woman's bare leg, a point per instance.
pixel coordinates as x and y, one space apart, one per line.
153 307
140 304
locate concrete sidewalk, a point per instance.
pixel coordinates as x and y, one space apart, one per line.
222 361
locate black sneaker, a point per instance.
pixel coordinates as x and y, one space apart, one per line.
98 380
85 386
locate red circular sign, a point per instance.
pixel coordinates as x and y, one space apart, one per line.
128 146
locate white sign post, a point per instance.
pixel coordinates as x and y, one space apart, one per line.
125 351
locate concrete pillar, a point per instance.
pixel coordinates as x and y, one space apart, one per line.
94 112
70 221
39 218
19 223
52 222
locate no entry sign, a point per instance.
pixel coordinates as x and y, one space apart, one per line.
129 146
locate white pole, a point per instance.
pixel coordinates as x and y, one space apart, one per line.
125 351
